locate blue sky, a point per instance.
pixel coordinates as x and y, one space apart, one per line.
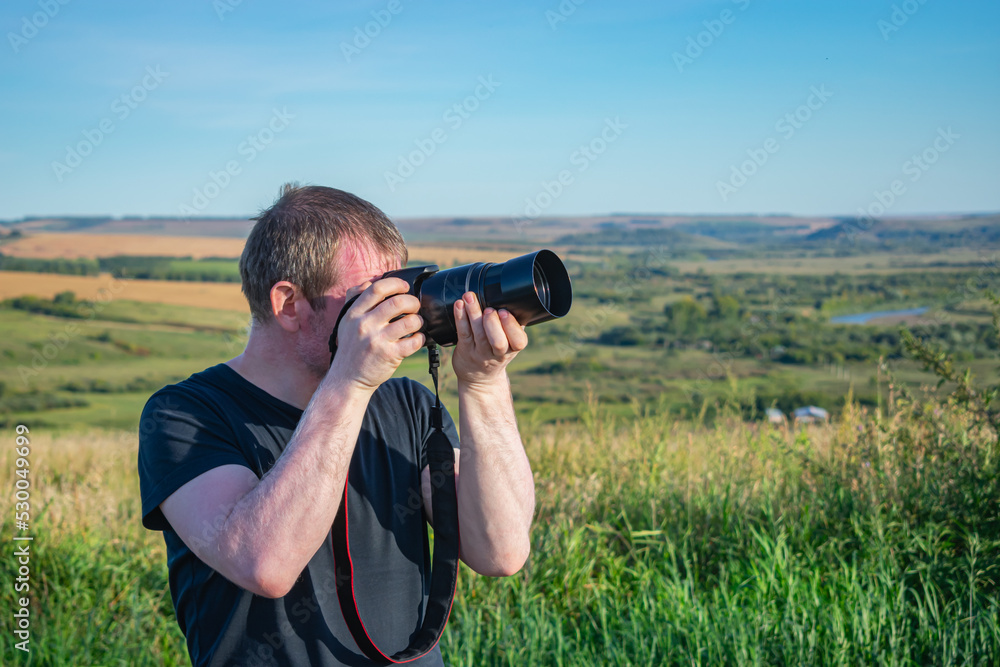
662 107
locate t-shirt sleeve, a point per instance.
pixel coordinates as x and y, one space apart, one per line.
180 437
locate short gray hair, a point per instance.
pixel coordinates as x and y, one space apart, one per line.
297 238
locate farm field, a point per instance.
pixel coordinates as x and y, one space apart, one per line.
648 326
873 263
90 246
674 524
205 295
77 245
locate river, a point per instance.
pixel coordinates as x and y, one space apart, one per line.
864 318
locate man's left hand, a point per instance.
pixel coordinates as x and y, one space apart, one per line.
487 341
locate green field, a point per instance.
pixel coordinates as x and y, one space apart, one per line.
114 365
640 330
674 525
656 541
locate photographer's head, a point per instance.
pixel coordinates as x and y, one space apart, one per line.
302 257
298 239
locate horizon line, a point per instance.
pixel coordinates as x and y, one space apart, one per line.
618 214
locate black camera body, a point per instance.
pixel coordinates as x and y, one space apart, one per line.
534 288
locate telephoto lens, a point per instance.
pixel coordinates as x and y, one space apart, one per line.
534 288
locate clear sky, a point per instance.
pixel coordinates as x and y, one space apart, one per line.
468 108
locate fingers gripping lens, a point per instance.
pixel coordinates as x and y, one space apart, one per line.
534 288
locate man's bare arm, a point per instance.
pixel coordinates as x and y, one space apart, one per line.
262 534
496 492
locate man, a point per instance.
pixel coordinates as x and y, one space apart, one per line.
243 465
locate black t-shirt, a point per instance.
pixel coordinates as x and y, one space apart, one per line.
217 417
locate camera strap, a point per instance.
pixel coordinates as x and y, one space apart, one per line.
444 564
336 326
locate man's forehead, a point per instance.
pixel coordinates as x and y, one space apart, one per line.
361 260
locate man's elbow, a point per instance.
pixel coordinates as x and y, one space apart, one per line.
509 567
268 580
506 563
269 589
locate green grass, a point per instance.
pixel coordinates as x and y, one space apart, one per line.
161 313
226 269
873 540
659 543
97 583
103 410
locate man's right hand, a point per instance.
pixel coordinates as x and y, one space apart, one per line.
370 345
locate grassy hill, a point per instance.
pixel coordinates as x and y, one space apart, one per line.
870 540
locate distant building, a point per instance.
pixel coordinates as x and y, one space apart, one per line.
775 416
811 413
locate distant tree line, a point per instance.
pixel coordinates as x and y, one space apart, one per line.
71 267
63 304
208 269
785 318
788 336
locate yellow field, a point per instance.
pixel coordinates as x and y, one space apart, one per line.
74 246
446 255
223 296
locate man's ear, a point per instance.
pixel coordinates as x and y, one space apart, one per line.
286 299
